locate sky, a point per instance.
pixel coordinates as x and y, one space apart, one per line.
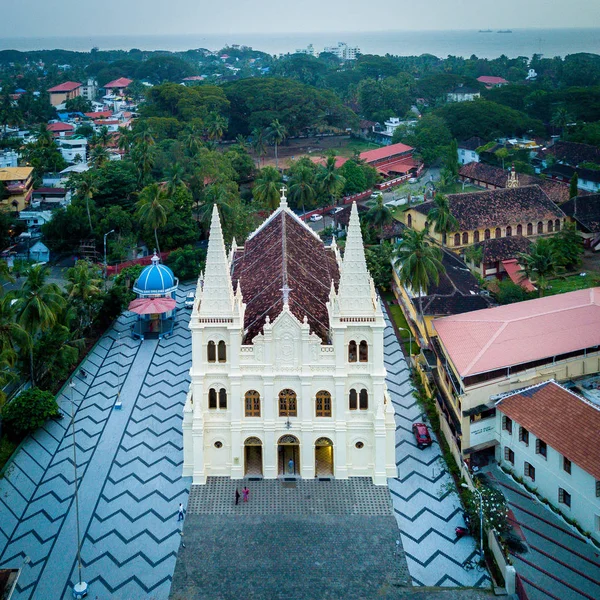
64 18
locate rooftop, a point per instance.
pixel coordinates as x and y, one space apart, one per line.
491 80
553 413
500 337
573 153
472 143
497 249
567 171
68 86
585 210
386 152
122 82
56 127
15 173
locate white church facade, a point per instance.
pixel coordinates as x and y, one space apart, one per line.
288 375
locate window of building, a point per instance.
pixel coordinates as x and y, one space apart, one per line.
287 403
352 351
524 435
252 403
566 465
222 351
212 398
597 489
507 424
557 225
409 220
211 352
218 444
476 237
509 456
223 398
529 228
359 445
465 237
486 234
363 352
498 233
353 400
508 231
363 400
529 471
457 239
541 448
323 404
519 229
550 226
540 227
564 497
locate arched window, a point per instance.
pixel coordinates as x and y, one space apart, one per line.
363 352
465 237
409 220
529 228
352 351
222 398
222 351
323 404
540 227
457 239
476 236
211 352
486 234
557 225
519 229
363 400
550 226
287 403
498 233
508 231
252 402
212 398
353 400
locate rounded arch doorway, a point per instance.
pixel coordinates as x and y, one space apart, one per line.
253 457
323 457
288 456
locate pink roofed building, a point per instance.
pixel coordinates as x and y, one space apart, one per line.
60 129
483 354
492 82
63 92
118 86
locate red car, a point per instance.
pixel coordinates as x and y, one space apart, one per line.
422 436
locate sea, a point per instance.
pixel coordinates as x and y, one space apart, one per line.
491 44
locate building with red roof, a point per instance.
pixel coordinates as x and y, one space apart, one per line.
491 82
118 86
63 92
60 129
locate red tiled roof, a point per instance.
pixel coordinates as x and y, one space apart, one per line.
310 269
319 160
403 165
56 127
496 338
122 82
562 419
513 268
489 80
68 86
99 114
386 152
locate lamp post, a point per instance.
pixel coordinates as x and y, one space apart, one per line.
480 516
105 265
80 588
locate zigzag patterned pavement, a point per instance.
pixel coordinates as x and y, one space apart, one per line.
129 467
426 505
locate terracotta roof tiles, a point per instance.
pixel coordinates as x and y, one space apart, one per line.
585 210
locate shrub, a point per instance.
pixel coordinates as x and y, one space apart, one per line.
28 412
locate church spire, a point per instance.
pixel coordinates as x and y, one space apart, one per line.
355 295
217 291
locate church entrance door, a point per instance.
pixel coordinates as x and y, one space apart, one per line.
253 457
324 457
288 456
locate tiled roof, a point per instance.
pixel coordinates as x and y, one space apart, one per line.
472 143
585 210
310 267
386 152
498 208
496 249
59 127
122 82
565 421
567 172
491 80
496 338
394 229
15 173
68 86
574 154
99 114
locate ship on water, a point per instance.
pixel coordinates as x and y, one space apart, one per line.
485 31
504 31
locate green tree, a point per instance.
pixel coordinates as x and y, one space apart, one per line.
266 189
331 181
509 292
354 176
84 289
303 190
78 104
431 137
567 246
28 412
573 186
442 218
153 208
215 126
539 264
419 263
561 118
379 263
99 156
186 262
258 143
85 188
276 133
175 180
379 214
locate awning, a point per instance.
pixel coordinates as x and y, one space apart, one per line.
479 447
152 306
513 270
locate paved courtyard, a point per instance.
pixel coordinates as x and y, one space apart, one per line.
129 463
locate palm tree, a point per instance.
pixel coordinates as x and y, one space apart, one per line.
474 254
153 208
267 187
215 126
277 133
143 156
85 189
99 157
539 264
419 263
444 221
38 304
12 335
83 287
192 141
330 180
241 141
221 194
258 143
302 187
125 140
174 179
379 214
143 133
103 136
561 118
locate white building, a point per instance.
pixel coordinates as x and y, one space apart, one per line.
550 437
9 158
463 94
89 90
310 49
343 51
467 150
288 374
73 149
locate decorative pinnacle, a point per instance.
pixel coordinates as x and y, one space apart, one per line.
283 200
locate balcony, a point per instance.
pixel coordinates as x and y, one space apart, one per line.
16 187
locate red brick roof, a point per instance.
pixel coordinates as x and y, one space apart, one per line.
565 421
310 266
386 152
122 82
57 127
68 86
99 114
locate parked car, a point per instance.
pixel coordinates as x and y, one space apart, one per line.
314 218
375 195
336 210
189 300
413 180
421 434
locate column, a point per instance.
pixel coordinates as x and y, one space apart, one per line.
269 442
237 449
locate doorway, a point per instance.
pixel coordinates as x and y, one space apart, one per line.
288 456
323 457
253 457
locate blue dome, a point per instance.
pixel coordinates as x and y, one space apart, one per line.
155 279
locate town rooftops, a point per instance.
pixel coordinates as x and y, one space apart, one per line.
567 171
386 152
490 80
100 114
573 154
58 127
564 420
15 173
514 334
472 143
497 208
498 249
68 86
120 83
585 210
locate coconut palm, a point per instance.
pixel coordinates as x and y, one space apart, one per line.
443 220
561 118
215 126
241 141
153 208
258 143
83 288
539 264
330 180
302 187
85 189
125 140
174 179
222 194
143 133
143 155
103 136
192 140
379 214
267 187
419 263
276 132
12 335
99 156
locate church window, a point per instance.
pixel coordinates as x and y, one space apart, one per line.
519 229
550 226
557 225
508 231
252 399
476 237
363 401
222 398
465 237
457 239
353 400
409 220
540 227
287 403
486 234
498 232
363 352
212 352
529 228
352 351
323 404
212 398
222 351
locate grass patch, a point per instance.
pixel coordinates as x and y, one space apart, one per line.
356 145
457 188
400 321
572 283
6 450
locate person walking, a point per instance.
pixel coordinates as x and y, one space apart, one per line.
245 493
180 517
291 466
237 496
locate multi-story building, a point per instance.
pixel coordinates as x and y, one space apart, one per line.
63 92
73 149
90 89
463 94
467 150
343 51
288 374
18 183
8 158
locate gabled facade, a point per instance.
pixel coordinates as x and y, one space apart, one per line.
288 375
